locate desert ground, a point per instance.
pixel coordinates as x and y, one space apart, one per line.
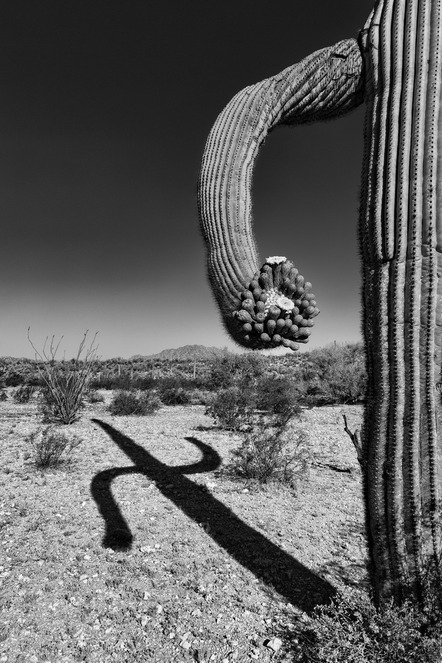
144 548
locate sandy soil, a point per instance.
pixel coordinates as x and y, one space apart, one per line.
143 550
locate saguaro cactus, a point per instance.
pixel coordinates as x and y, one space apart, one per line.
395 68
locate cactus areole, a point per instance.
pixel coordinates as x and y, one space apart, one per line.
394 67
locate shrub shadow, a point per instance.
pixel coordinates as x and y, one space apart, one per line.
267 561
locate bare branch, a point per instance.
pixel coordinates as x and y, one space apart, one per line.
355 438
65 381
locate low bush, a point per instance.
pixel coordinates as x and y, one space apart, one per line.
52 448
93 396
352 630
144 382
23 394
200 396
14 380
232 408
335 374
174 396
35 380
3 395
110 381
175 382
232 369
273 450
277 395
129 402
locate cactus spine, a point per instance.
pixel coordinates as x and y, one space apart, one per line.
395 67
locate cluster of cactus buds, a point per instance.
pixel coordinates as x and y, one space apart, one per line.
277 308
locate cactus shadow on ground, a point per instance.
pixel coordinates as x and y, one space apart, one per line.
267 561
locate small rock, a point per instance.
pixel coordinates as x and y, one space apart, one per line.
274 644
186 635
202 655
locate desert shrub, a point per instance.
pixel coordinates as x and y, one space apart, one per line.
234 369
93 396
3 395
23 394
52 447
232 408
129 402
335 374
198 382
110 381
102 382
144 382
273 450
200 396
173 382
62 397
34 380
352 630
174 396
277 395
14 379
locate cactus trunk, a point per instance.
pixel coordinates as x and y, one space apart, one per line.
396 68
400 243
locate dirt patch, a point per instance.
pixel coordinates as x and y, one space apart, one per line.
142 550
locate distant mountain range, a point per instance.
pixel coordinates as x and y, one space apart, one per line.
187 352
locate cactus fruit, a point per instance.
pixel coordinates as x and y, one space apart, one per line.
395 67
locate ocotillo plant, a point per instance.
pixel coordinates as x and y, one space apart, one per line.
394 66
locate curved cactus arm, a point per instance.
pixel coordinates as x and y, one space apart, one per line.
273 305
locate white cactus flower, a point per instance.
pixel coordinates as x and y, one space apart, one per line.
275 260
284 303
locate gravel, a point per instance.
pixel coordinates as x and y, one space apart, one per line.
143 549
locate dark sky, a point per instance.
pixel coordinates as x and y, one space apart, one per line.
105 109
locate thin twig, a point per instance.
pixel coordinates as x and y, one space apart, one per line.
355 438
